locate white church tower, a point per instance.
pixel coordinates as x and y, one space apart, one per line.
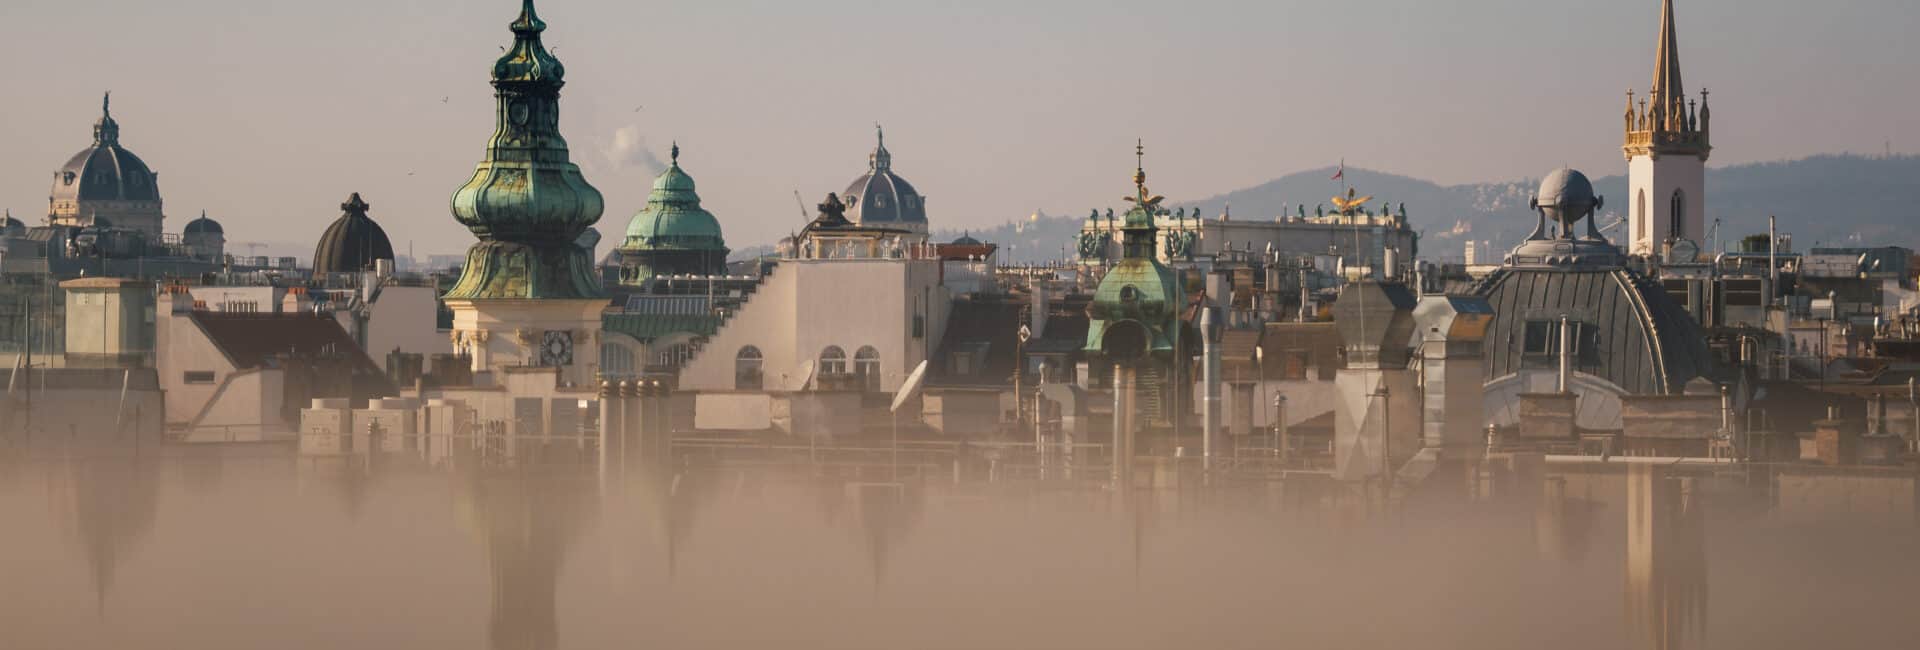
1667 149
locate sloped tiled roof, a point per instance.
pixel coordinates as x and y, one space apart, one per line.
257 340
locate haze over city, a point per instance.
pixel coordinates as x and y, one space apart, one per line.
266 114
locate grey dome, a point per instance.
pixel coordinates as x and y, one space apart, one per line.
882 198
204 226
1565 198
1565 194
105 171
353 242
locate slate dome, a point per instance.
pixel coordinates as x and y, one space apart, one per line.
881 198
204 226
105 171
353 242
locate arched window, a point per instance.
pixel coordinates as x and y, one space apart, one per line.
866 367
747 369
1640 224
1677 216
833 361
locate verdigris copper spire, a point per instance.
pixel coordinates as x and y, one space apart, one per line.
1134 309
527 202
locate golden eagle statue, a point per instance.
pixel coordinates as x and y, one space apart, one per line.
1350 204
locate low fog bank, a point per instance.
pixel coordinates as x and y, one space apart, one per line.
237 553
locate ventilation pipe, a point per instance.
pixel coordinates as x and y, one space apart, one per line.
1566 356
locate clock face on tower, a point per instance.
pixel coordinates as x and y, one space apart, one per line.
556 348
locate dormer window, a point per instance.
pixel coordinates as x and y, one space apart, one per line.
68 178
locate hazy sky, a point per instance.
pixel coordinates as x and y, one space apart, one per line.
267 114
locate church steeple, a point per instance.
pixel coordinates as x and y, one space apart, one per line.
1667 88
1666 121
527 197
1667 145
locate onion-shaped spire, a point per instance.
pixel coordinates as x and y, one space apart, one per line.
527 202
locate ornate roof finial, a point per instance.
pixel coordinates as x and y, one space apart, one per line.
355 205
529 20
106 131
527 61
1140 164
880 160
675 153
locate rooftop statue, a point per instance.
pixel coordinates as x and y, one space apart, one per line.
832 209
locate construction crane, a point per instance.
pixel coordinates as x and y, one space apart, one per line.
803 206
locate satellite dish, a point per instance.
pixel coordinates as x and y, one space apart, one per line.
1685 251
910 387
806 375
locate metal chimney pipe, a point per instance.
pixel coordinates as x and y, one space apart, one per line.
1566 356
1210 381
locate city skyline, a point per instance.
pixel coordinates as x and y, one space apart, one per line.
1004 110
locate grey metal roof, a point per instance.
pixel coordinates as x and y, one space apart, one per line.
106 172
1644 341
883 197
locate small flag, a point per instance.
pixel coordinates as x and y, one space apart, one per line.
1342 171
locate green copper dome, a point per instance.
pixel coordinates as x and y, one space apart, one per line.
526 201
1135 311
673 218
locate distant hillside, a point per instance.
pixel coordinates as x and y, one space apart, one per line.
1836 199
